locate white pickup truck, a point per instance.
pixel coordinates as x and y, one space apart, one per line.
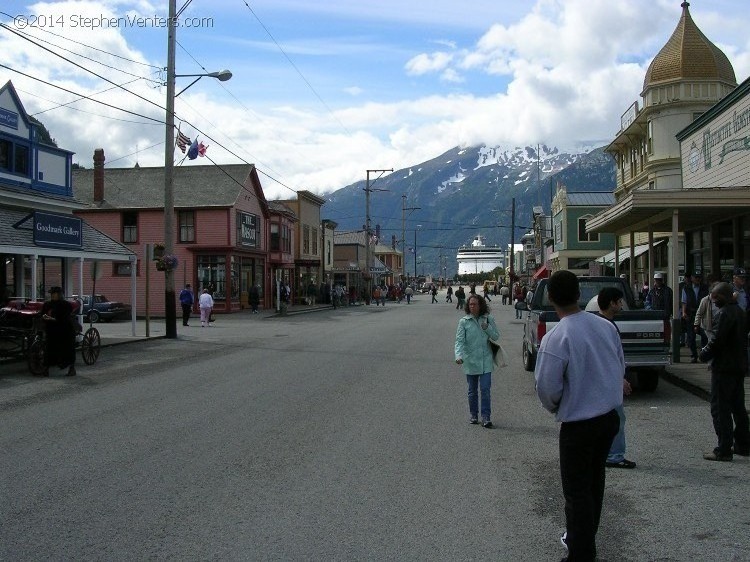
645 333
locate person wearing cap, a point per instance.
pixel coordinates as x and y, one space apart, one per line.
739 278
690 297
660 296
57 314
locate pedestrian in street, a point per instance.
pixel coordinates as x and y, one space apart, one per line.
474 354
408 292
486 291
449 294
254 298
460 297
376 295
186 302
505 293
609 302
579 372
691 296
206 303
433 292
660 296
60 329
727 350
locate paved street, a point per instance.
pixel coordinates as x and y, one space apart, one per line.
336 435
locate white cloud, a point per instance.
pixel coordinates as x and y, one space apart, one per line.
564 72
425 63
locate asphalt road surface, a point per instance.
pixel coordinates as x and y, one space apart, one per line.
339 435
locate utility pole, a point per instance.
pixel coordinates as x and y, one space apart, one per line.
170 307
512 237
404 208
368 262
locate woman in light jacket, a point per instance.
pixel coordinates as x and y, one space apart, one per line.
474 354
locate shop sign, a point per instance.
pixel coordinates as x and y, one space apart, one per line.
59 231
248 233
9 118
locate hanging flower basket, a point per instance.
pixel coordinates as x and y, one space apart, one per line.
167 263
158 251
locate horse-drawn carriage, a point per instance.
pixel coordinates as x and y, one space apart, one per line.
22 335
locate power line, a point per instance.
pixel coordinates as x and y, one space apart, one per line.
80 95
159 68
286 56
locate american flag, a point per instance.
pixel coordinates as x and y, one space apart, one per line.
182 141
202 149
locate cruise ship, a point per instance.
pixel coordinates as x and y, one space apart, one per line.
479 258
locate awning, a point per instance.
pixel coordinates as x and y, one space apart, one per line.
642 210
17 237
625 253
540 273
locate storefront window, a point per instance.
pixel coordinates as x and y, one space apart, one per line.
212 275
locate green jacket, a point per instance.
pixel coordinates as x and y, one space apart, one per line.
472 343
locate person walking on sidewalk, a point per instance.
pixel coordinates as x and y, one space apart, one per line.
690 298
579 372
474 354
727 351
186 302
254 298
433 292
449 294
206 303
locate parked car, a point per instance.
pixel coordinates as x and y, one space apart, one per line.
103 308
645 333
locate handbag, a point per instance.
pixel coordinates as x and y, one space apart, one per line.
499 358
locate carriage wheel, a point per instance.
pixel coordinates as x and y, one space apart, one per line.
36 358
90 346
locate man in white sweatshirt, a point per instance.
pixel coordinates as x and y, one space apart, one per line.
579 372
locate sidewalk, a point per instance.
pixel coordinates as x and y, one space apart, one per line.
696 377
116 333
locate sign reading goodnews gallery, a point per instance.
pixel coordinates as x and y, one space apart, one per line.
59 231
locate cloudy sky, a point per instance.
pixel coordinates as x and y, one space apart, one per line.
324 90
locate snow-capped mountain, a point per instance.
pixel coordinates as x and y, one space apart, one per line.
464 192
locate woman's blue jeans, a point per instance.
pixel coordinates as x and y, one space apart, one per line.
484 382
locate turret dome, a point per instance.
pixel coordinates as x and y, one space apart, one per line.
689 55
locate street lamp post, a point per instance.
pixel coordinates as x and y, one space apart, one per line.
170 307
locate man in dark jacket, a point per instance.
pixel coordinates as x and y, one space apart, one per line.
660 296
691 295
728 351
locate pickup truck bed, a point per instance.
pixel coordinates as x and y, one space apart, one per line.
645 333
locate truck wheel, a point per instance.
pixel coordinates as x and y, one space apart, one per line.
94 316
528 359
648 379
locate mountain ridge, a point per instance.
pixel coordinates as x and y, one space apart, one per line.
464 192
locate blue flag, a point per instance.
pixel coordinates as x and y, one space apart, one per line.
193 150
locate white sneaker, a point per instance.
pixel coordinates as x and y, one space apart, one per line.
564 540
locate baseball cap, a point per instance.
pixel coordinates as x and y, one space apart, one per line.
658 275
55 289
739 271
697 273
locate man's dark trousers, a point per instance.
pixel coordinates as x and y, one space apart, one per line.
584 446
728 410
186 309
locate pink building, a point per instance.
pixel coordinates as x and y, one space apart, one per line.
221 237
